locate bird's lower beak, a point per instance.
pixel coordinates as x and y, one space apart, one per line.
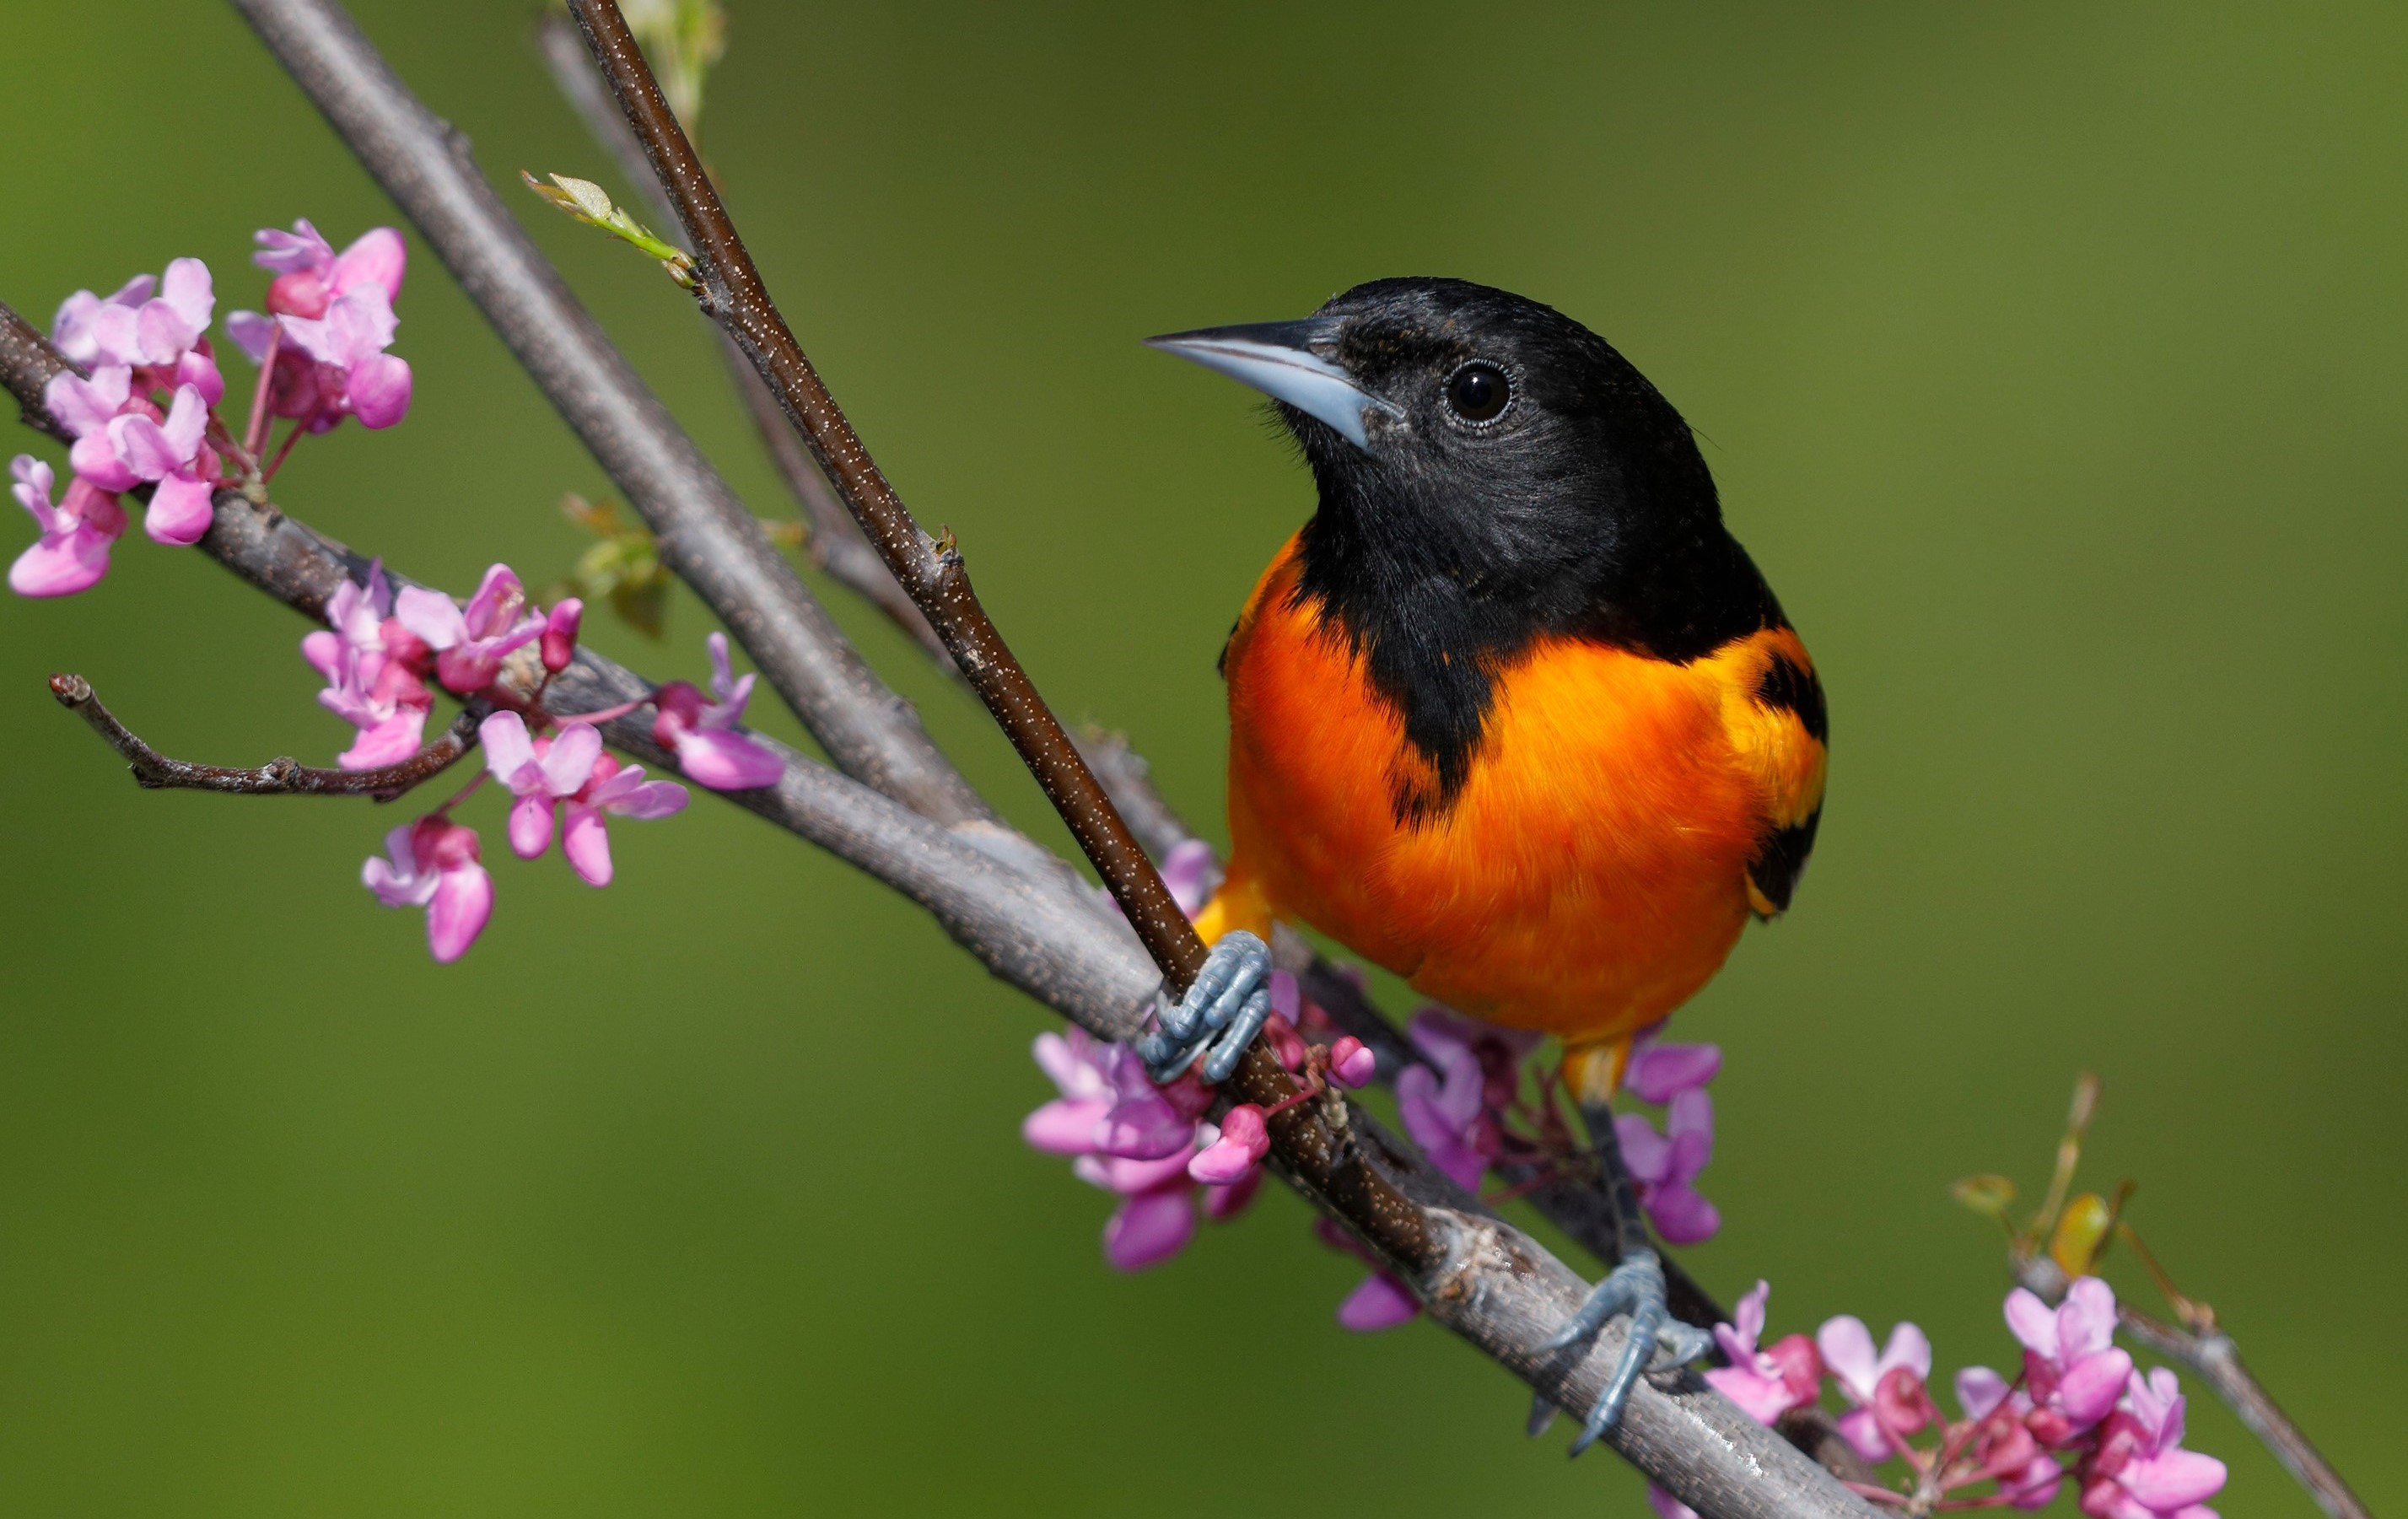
1277 358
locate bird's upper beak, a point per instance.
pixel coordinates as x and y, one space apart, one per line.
1278 359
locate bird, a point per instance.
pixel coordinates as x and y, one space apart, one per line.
1511 715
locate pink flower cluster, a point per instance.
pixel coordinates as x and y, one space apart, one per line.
2079 1409
142 413
321 343
377 658
1134 1139
1454 1108
1152 1146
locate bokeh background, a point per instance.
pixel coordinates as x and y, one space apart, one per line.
2051 361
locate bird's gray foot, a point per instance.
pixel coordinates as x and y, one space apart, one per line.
1658 1341
1219 1016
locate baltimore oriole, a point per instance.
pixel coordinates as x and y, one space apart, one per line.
1512 715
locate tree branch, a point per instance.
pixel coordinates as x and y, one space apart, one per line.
836 546
706 536
284 777
732 293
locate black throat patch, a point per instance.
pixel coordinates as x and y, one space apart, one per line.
1436 645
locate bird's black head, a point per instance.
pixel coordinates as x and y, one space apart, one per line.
1490 471
1473 439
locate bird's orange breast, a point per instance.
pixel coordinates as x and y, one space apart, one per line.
1592 872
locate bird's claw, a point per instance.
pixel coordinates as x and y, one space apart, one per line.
1220 1015
1657 1340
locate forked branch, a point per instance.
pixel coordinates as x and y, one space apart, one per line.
282 777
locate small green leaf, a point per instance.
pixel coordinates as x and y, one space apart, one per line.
623 569
583 200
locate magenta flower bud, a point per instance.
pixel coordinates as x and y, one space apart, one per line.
1900 1401
1801 1367
300 293
1352 1065
432 864
560 635
1244 1140
703 736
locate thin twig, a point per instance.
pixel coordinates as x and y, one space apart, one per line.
282 777
707 535
834 543
2216 1360
730 288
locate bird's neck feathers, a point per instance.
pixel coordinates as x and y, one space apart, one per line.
1439 603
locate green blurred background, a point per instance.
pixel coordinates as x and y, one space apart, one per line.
2051 359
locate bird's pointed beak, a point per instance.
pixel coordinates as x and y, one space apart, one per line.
1277 358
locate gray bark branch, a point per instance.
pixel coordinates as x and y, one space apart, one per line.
707 535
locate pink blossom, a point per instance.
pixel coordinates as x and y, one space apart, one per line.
2028 1477
1446 1104
95 331
1666 1165
613 790
1352 1064
1235 1149
1133 1138
337 312
539 773
84 407
470 644
133 448
1156 1218
558 645
161 335
1847 1350
2071 1363
2139 1469
367 684
311 275
1765 1384
432 864
1108 1105
72 553
1658 1072
703 736
356 377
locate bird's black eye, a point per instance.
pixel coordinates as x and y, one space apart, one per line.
1479 393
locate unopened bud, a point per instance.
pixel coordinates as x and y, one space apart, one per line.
1352 1065
1243 1140
1901 1401
560 635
